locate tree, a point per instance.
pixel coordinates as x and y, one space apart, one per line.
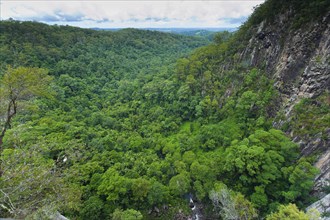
290 211
158 194
231 205
129 214
180 184
31 186
140 189
221 37
113 185
92 208
17 86
265 168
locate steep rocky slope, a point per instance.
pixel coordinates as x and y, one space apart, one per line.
298 60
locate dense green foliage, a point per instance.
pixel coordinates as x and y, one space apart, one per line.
312 117
303 11
17 87
290 211
137 123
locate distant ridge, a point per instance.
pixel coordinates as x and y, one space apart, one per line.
174 30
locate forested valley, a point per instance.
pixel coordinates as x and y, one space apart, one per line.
132 124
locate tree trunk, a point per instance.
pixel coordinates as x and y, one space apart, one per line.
1 137
10 114
11 111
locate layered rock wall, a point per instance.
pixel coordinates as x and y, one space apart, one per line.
299 62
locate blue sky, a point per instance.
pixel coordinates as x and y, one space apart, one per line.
136 14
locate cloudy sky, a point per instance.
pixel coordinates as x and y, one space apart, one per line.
138 14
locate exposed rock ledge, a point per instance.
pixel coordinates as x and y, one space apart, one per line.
323 206
323 179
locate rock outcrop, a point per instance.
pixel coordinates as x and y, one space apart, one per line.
299 62
323 206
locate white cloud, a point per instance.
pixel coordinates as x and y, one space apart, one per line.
131 13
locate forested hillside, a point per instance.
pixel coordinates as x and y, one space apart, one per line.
133 124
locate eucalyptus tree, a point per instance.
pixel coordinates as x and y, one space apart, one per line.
18 86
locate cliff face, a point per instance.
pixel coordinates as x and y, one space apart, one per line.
299 62
298 59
